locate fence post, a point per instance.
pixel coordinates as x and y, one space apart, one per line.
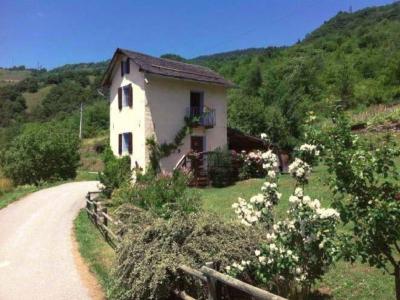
105 222
95 212
87 202
212 284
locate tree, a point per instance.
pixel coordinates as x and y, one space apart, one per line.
42 152
365 180
247 114
62 99
116 171
345 84
253 81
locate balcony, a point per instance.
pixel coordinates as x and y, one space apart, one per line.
201 116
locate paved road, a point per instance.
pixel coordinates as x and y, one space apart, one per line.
36 259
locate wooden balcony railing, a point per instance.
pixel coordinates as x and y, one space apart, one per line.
205 116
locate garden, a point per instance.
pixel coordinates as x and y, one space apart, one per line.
328 229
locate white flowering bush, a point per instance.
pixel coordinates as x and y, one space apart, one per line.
300 170
299 249
309 153
259 207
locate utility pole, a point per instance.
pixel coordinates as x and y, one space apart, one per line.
80 122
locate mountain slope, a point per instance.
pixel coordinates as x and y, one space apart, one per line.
352 59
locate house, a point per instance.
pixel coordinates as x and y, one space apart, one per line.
150 97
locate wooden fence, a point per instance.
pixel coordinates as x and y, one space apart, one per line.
212 280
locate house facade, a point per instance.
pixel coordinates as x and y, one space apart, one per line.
150 97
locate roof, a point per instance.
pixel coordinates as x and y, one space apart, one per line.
166 67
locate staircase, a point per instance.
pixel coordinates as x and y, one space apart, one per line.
195 162
200 179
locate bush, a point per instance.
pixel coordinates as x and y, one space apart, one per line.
116 172
6 185
95 118
220 168
42 152
150 255
252 165
162 194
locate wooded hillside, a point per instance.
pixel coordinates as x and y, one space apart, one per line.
354 58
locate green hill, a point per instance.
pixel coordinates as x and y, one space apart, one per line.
352 59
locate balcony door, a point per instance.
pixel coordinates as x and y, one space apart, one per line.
196 104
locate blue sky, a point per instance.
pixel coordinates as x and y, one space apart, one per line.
52 33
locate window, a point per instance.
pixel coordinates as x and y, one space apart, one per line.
125 143
125 67
125 96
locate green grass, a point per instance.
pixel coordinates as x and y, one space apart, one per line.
220 200
16 194
83 175
94 249
91 160
344 280
34 99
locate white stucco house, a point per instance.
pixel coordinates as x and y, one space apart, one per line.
150 97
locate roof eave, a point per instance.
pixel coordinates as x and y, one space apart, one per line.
228 84
105 81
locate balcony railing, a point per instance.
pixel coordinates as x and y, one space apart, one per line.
203 116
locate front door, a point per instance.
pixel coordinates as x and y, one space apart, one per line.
197 143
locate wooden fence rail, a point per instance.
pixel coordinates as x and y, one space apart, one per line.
208 277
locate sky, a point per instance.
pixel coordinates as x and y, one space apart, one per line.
51 33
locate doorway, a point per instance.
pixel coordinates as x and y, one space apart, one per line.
196 104
197 144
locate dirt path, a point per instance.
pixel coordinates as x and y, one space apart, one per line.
36 246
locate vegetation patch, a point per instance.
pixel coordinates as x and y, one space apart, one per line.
15 194
94 249
150 256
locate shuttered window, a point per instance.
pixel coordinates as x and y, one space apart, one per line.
129 142
127 95
119 144
125 67
125 143
119 98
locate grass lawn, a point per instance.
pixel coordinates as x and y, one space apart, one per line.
345 281
220 200
94 249
15 194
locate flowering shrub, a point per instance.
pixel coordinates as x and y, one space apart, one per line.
308 153
252 165
365 179
299 249
259 208
300 170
